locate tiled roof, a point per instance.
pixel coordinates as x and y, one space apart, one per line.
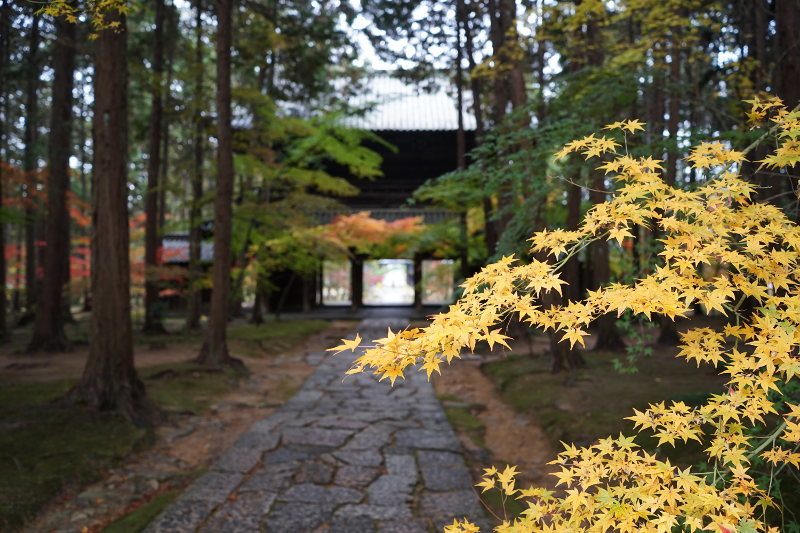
397 106
390 104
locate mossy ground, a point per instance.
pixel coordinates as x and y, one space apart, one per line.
46 448
594 402
274 337
463 419
137 520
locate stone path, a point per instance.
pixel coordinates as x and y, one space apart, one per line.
345 455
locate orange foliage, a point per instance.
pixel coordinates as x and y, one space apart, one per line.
362 232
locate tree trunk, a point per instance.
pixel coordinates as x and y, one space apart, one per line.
86 193
194 294
608 335
674 108
5 23
669 334
475 83
30 139
152 318
572 274
517 93
48 332
257 317
215 348
109 380
508 88
787 71
490 228
461 139
497 35
171 24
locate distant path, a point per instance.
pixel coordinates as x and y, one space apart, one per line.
345 455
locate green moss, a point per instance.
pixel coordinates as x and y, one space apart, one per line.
463 419
273 338
137 520
187 387
285 389
594 402
45 448
12 395
448 398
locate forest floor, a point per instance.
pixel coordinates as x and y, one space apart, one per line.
506 407
79 472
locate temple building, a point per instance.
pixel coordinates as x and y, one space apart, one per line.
423 127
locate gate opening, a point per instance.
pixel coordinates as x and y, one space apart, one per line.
336 283
389 282
438 276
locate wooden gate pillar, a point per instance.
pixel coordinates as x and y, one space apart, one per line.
357 282
418 282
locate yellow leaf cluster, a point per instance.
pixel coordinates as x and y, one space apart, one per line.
614 485
97 11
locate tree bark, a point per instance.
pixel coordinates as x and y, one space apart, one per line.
572 273
507 89
489 224
193 291
48 331
497 35
152 318
215 348
608 335
5 24
257 316
668 335
674 108
30 139
171 25
787 71
461 139
109 380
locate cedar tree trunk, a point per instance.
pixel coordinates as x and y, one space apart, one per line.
152 320
4 55
193 299
29 161
109 380
787 71
215 348
608 336
48 331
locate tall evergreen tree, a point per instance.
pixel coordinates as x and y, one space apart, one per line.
109 380
5 26
193 304
29 159
215 348
48 332
152 321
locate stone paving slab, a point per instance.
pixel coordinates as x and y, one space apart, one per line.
344 455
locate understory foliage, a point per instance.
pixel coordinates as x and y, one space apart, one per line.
754 249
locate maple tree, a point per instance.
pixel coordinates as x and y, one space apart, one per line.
615 484
344 236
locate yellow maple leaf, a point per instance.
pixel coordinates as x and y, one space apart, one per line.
347 345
